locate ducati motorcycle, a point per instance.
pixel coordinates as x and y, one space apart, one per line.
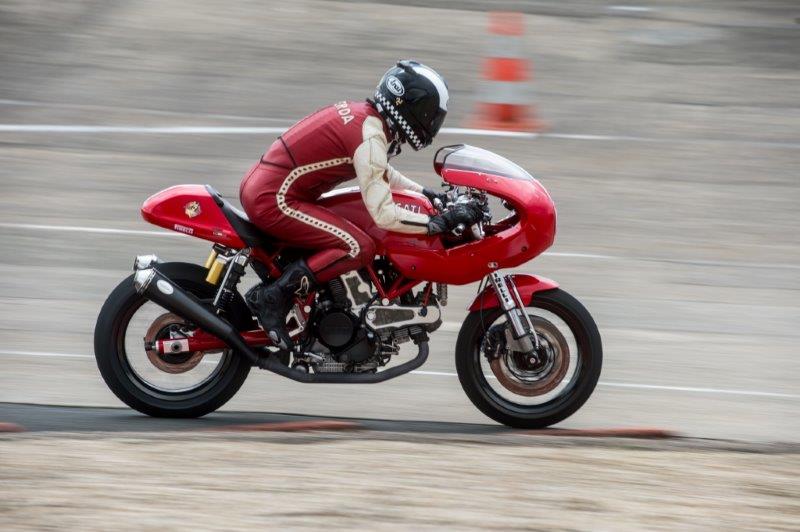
176 339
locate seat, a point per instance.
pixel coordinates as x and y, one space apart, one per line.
247 231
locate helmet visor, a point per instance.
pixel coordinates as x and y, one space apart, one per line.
436 123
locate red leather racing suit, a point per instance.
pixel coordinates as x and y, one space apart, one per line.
328 147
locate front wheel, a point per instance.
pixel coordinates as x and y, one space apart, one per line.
166 385
531 392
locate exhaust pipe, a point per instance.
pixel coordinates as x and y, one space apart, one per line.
156 287
145 261
272 364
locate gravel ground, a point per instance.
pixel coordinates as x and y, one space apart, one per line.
133 481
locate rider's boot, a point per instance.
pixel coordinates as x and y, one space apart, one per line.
271 303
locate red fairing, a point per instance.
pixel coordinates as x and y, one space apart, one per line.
533 232
426 258
527 285
191 210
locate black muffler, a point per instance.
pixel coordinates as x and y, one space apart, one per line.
159 289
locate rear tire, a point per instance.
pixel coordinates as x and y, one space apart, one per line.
109 347
502 410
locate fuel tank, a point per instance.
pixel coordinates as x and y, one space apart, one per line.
348 203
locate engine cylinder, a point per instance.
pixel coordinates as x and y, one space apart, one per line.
336 329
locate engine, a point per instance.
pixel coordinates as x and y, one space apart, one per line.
341 331
353 332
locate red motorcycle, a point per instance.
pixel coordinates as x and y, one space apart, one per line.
528 354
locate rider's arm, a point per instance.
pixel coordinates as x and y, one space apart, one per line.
371 165
398 181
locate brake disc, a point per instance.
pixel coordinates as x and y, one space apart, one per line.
528 379
160 329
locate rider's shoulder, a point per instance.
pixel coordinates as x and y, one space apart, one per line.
359 121
372 124
348 114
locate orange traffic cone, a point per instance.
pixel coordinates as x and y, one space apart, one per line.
503 96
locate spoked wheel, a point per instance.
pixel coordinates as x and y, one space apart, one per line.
538 389
165 384
166 372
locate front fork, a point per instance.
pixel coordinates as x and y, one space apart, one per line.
514 309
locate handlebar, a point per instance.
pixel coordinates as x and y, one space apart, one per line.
454 197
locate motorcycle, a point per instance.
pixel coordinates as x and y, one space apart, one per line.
176 339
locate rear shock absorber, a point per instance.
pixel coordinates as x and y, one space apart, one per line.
227 289
441 294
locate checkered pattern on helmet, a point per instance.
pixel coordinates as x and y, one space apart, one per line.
401 122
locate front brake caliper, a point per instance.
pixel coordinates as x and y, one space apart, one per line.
494 341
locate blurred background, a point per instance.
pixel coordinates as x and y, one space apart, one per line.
672 150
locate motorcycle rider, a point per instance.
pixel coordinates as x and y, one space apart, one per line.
326 148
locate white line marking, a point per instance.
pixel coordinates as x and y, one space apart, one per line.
632 9
489 133
699 390
159 112
8 352
214 130
652 387
81 229
434 373
268 130
561 254
172 130
579 255
692 262
41 354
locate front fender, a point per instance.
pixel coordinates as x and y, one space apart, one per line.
527 285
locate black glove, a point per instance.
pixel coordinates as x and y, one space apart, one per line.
433 195
463 213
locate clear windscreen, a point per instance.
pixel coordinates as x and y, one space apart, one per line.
471 158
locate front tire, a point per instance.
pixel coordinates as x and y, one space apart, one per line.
517 413
126 382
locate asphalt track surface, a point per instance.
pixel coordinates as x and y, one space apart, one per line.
677 195
39 418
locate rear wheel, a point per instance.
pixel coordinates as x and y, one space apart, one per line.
165 385
531 392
